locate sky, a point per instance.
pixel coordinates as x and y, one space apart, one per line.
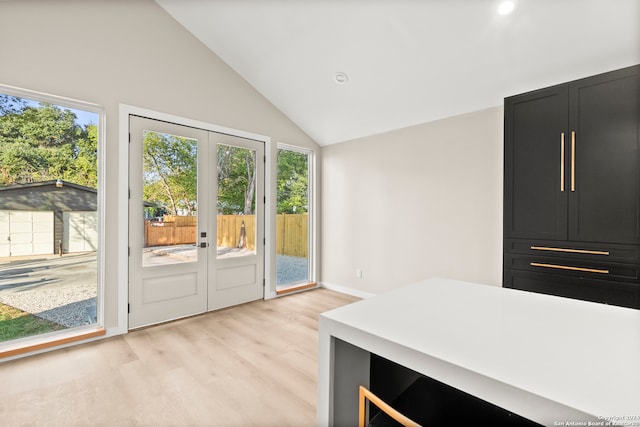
85 117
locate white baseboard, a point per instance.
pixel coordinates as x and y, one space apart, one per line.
346 290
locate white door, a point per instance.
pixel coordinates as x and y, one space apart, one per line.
80 231
26 233
237 267
175 269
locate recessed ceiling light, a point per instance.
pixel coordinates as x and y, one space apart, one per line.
506 7
341 77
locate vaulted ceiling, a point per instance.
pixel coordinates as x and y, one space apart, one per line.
407 62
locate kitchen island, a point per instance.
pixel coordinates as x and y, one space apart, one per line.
553 360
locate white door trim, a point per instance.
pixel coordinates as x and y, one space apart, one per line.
123 196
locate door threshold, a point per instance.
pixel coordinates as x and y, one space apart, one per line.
51 341
296 288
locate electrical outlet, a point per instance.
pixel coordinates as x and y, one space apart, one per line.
359 273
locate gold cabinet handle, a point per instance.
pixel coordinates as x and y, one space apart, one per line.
365 394
568 250
573 160
567 267
562 162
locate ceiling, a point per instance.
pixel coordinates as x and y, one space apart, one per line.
407 61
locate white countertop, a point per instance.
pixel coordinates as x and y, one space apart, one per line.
577 355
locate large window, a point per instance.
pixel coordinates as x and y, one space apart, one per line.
293 221
49 214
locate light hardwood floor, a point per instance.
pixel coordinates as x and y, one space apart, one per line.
250 365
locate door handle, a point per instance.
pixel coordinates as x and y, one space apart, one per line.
562 162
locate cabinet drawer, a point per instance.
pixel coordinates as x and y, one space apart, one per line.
572 267
430 402
574 250
588 289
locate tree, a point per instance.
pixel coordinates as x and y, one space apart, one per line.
292 182
236 169
45 143
170 172
85 166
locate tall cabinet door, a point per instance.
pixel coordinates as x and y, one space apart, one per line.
604 163
535 173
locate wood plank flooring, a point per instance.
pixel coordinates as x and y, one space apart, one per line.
250 365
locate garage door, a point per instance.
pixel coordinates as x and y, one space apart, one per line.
26 233
80 231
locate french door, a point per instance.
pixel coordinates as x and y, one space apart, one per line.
196 221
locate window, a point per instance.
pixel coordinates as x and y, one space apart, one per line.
170 198
49 214
293 220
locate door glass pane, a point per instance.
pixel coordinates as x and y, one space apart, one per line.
170 199
236 202
292 220
48 217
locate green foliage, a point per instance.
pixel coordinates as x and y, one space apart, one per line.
45 143
85 168
236 180
170 172
293 182
170 176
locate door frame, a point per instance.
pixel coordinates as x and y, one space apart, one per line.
312 234
123 200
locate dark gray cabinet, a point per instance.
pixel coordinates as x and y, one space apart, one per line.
572 189
604 119
429 402
535 145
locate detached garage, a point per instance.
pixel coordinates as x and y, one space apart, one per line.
80 231
47 217
25 233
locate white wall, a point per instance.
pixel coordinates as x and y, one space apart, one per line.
420 202
132 52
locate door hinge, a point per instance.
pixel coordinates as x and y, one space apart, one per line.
129 250
264 282
265 158
129 194
264 241
128 308
264 199
129 137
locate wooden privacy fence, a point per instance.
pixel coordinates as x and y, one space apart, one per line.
291 232
174 230
230 230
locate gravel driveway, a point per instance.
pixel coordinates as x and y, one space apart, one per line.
60 289
291 269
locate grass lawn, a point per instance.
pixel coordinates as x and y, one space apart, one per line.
16 323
